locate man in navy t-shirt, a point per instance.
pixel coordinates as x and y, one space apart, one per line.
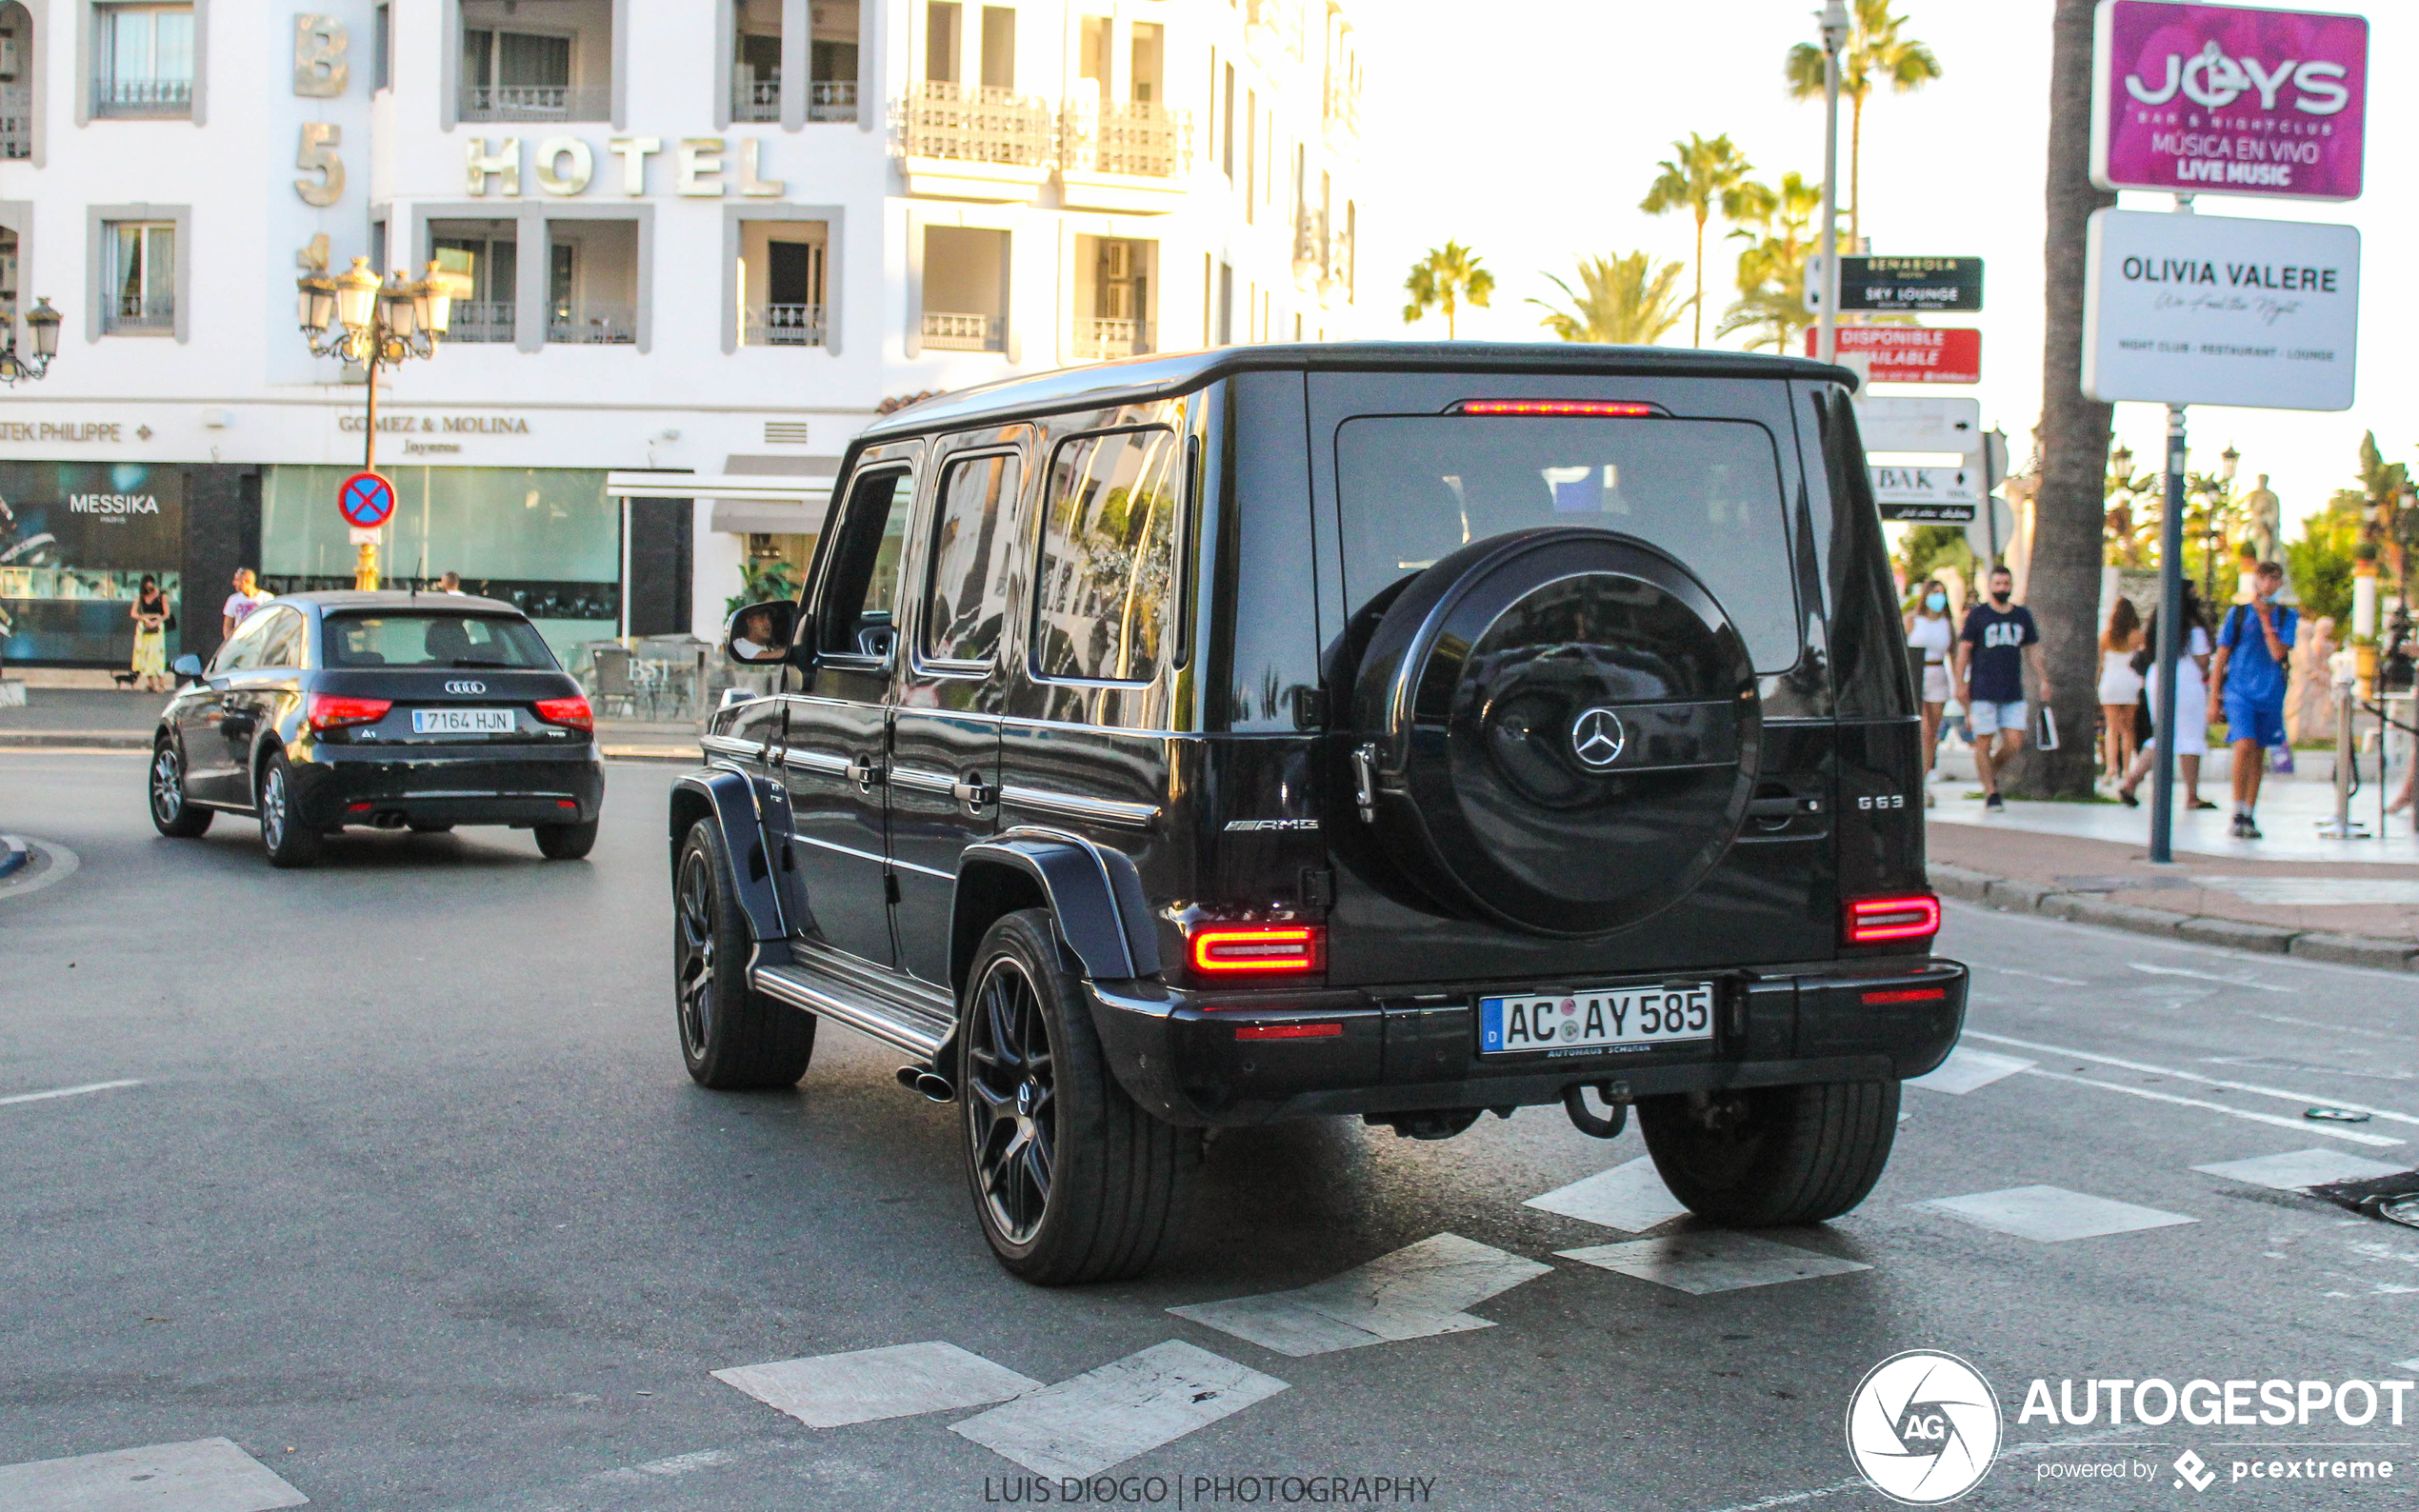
2248 678
1998 639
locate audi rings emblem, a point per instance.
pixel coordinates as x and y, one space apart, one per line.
1596 738
465 686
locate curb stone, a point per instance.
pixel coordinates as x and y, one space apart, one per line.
2013 895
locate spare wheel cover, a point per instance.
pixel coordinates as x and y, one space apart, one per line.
1563 729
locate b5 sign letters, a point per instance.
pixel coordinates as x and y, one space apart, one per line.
2199 309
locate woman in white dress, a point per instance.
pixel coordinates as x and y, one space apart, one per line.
2192 735
1930 627
2120 686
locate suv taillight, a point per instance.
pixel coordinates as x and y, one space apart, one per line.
1884 921
1266 950
332 710
572 711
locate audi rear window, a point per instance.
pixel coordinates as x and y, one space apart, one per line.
1415 488
434 640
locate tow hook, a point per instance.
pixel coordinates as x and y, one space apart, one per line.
1616 1097
927 1081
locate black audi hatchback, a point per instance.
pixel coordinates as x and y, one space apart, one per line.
1391 730
395 710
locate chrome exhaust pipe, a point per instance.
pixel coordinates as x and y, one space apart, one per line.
929 1082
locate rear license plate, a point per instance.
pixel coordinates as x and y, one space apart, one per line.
462 722
1596 1018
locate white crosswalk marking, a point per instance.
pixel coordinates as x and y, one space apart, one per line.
1709 1261
1105 1417
2052 1214
1415 1293
2301 1168
202 1474
825 1391
1969 1071
1631 1198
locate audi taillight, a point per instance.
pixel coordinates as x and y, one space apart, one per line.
1620 408
1883 921
334 710
573 712
1269 949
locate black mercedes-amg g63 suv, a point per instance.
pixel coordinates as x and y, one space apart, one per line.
1384 729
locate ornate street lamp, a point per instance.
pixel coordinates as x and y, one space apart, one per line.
373 322
44 322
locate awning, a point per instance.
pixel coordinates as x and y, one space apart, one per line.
741 504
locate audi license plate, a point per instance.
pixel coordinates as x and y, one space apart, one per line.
1595 1019
462 722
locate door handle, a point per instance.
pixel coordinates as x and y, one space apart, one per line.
865 772
973 791
1782 808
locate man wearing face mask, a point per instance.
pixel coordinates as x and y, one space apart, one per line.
1929 630
1998 639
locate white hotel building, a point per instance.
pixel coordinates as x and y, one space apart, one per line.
698 236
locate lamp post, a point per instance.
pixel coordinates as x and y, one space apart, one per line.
44 322
374 323
1835 34
2213 536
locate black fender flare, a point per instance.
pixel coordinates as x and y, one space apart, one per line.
1095 895
753 816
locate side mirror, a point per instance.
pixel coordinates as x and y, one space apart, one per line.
188 668
759 635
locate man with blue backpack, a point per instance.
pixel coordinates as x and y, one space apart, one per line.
2248 678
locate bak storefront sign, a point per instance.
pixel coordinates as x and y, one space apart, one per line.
2230 100
2203 309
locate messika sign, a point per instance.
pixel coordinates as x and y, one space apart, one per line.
702 167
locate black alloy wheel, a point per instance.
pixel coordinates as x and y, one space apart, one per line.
693 952
173 814
289 840
1012 1106
733 1038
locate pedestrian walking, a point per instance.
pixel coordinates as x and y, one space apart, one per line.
1998 639
2120 686
2247 681
2190 739
241 603
1929 628
152 618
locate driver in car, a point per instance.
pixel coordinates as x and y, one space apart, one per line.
755 641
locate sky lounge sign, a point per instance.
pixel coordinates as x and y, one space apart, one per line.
2225 100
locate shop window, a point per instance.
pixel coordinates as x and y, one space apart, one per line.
142 60
519 67
139 275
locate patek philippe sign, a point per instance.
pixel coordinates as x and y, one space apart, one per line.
2228 99
2201 309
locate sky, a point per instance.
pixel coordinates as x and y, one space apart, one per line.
1533 138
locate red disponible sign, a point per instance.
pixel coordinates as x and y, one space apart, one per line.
1913 354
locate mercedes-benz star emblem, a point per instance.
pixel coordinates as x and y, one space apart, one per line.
1597 737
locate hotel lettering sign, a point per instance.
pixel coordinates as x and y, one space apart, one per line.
703 167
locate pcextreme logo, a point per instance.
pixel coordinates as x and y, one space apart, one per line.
1923 1427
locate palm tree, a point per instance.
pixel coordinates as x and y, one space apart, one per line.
1625 303
1773 269
1876 52
1442 280
1701 174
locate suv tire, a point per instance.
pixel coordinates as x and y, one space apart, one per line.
172 813
1783 1154
564 842
733 1038
1072 1181
289 840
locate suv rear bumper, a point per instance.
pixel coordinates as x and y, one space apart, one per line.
1181 1054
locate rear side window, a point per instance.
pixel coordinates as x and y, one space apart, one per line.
433 640
1415 488
966 601
1104 607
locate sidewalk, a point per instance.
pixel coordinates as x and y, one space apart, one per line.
85 719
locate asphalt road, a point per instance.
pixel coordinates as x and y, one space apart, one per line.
411 1202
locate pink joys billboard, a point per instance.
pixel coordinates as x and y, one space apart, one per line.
2228 100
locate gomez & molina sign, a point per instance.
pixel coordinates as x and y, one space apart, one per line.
2228 99
439 425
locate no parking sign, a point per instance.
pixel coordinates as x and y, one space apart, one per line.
367 501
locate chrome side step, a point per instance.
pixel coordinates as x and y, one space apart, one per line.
863 996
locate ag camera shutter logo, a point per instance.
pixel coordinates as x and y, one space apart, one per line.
1923 1427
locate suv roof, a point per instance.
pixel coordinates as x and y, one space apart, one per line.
1134 380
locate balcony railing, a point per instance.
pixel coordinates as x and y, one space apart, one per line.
783 326
535 102
754 99
16 121
136 317
965 124
480 320
1344 107
1148 141
832 100
1111 338
125 96
592 325
947 331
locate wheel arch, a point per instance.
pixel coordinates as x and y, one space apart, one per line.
730 801
1093 895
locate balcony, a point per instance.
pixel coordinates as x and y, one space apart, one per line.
783 326
16 121
481 319
1097 338
755 100
832 100
587 324
964 141
136 98
1343 109
138 315
946 330
1125 157
536 102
